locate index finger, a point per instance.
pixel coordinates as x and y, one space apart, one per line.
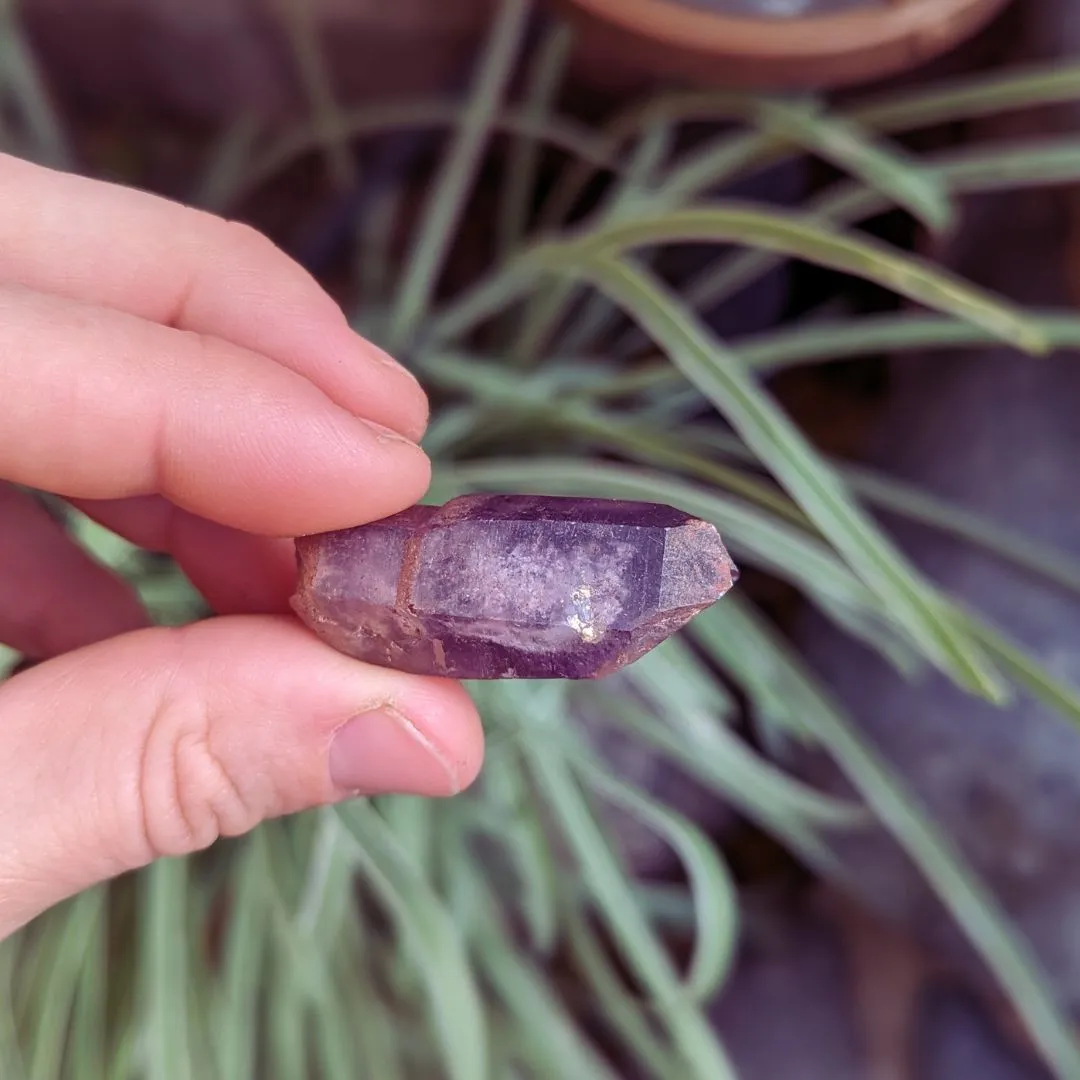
96 404
181 267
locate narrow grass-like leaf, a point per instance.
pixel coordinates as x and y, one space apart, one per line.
11 1057
640 443
243 961
332 1040
69 934
1032 163
314 77
21 74
544 79
324 910
618 1008
782 447
412 820
800 236
691 1033
87 1050
672 677
356 123
713 890
123 1060
429 932
908 331
9 660
557 1041
789 810
950 101
376 1030
808 237
455 176
226 161
632 194
1025 670
917 504
975 909
375 262
889 169
508 815
791 553
969 97
163 959
705 169
287 1024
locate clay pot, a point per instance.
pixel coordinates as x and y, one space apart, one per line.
709 42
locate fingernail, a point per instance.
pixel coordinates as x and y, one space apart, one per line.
383 752
389 361
385 434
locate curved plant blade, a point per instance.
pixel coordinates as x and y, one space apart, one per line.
428 929
843 142
713 890
782 447
975 909
455 175
701 1053
800 236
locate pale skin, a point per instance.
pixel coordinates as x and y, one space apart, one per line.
184 383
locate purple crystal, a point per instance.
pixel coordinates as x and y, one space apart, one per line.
511 586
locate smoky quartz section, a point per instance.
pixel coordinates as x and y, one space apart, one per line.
511 586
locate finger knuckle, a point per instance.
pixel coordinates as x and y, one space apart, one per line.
241 237
188 791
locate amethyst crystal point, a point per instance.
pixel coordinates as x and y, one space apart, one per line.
511 586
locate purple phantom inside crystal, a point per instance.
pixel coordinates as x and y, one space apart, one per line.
511 586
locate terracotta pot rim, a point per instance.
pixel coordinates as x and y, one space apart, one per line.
678 25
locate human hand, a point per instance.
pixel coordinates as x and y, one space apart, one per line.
182 382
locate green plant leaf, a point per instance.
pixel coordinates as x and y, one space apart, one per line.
805 238
87 1052
455 176
690 1031
557 1043
46 140
867 335
782 447
958 99
68 935
1003 167
366 121
164 971
750 784
618 1008
430 934
917 504
888 169
713 890
545 76
243 961
302 36
791 553
1026 670
11 1057
507 814
975 909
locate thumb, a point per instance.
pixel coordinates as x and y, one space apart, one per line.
157 742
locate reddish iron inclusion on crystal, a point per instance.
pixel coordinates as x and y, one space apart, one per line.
511 586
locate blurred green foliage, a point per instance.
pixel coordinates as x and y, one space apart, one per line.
396 938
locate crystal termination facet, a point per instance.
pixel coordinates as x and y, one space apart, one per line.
511 586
